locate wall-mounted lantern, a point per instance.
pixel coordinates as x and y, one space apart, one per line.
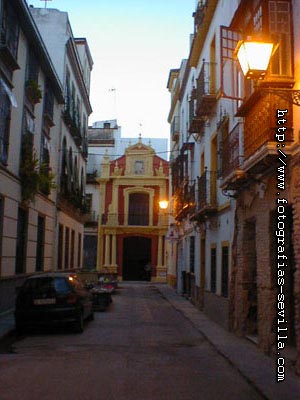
163 204
254 57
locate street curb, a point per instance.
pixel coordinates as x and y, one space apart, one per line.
264 387
213 345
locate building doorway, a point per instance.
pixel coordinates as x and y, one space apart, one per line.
136 254
250 276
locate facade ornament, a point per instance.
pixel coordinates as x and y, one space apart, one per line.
261 188
160 170
117 170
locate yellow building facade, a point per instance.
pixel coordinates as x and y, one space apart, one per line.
132 227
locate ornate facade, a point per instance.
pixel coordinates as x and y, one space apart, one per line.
132 228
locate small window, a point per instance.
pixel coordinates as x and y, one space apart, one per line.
72 248
79 250
89 201
192 254
225 270
21 246
4 124
10 29
138 209
280 30
67 247
213 269
32 71
49 102
40 244
60 246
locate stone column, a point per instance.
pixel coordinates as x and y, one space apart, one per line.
159 251
114 250
107 250
161 270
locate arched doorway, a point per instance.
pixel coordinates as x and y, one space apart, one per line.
136 254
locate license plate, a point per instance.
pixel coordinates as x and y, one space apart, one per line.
39 302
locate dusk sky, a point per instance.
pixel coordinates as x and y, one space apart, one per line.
134 44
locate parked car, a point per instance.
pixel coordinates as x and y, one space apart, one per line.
53 299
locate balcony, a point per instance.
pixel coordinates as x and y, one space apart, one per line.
260 127
70 195
202 19
91 219
73 125
101 136
184 200
175 129
199 14
85 147
207 195
134 220
48 107
91 177
206 95
9 38
196 123
232 158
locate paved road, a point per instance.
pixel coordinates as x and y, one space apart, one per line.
141 349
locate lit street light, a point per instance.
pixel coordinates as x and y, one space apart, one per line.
254 58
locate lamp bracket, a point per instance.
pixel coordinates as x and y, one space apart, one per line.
291 95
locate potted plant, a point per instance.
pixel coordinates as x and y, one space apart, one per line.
33 91
46 179
29 175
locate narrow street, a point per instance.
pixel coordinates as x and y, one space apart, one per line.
141 349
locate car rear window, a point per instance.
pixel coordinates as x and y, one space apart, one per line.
61 285
47 285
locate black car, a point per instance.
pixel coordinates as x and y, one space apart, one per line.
53 299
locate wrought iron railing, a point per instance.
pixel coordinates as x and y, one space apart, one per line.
260 124
49 103
175 126
206 82
199 14
184 198
10 31
134 219
207 190
231 151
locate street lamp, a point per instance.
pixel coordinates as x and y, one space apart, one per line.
163 204
254 57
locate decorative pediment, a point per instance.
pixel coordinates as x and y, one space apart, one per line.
139 159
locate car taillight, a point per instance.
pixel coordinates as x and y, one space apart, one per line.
72 298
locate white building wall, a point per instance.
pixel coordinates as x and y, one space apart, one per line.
10 185
55 30
217 229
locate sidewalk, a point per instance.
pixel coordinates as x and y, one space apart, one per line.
256 367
